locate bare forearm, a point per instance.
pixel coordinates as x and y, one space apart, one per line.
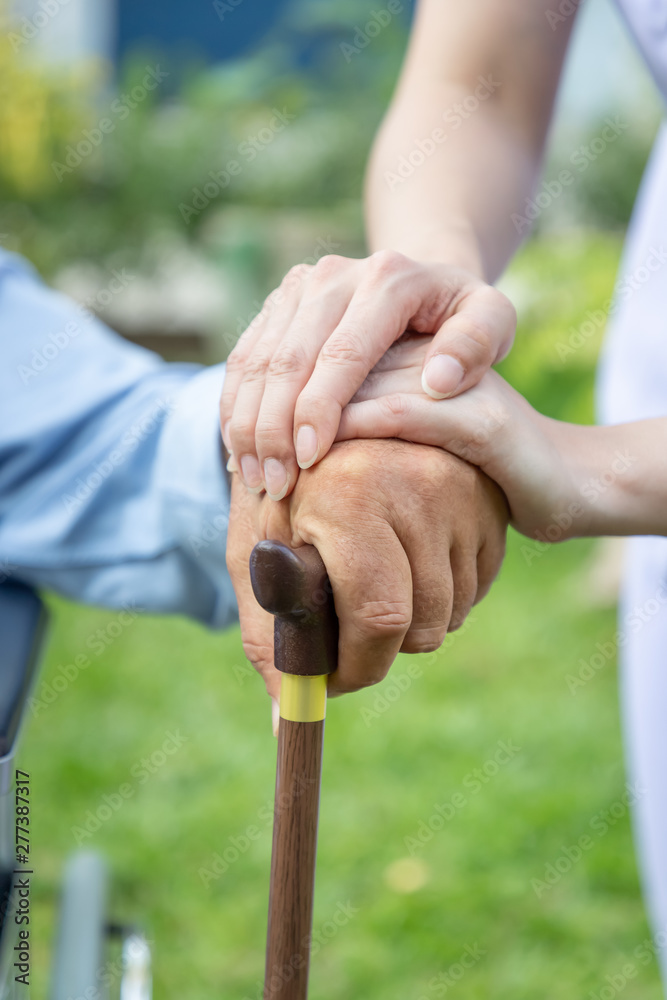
438 190
462 143
619 475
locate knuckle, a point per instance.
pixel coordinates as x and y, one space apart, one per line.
269 440
429 469
424 640
296 274
329 266
237 358
349 685
458 618
476 336
316 408
259 654
288 360
369 679
383 619
345 349
500 302
242 431
387 263
464 598
273 299
508 308
504 309
227 405
397 405
257 364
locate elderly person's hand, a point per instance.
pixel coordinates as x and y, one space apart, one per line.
411 538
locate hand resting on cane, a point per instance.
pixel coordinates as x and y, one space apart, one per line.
411 538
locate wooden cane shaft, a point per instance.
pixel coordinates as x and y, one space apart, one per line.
293 859
294 587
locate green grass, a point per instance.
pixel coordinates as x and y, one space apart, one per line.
503 678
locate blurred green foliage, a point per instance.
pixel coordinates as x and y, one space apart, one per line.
562 286
132 186
504 678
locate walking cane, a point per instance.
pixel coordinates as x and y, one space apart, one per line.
293 586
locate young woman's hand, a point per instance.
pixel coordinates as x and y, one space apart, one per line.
532 458
322 331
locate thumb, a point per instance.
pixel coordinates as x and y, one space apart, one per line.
476 336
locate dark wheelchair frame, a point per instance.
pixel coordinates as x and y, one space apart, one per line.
84 932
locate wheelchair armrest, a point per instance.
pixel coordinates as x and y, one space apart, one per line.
22 624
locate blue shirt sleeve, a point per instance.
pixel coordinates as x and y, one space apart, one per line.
112 488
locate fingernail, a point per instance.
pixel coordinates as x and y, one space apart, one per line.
442 376
306 446
225 435
231 464
252 477
275 478
275 715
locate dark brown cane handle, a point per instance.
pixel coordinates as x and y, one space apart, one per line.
292 584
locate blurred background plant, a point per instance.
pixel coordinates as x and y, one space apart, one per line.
200 246
153 195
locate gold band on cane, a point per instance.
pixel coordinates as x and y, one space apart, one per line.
303 699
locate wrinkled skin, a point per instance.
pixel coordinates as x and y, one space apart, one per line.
411 538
